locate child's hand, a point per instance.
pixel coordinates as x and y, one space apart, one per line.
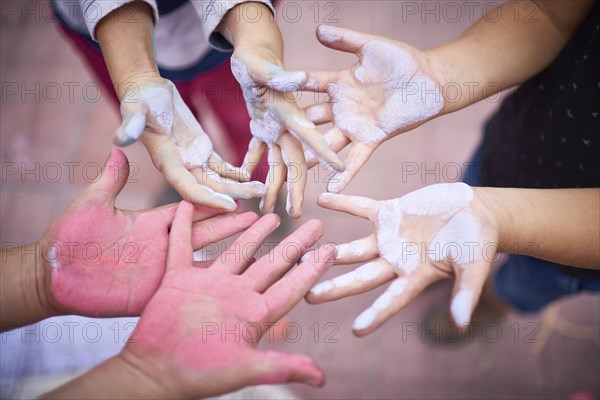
434 233
198 335
391 89
102 261
278 123
153 110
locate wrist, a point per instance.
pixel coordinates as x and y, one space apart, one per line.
252 25
115 378
497 213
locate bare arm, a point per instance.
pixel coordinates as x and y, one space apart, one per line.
507 47
558 225
127 45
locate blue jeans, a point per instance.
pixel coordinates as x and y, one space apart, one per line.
528 283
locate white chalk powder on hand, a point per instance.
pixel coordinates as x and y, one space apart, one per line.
408 97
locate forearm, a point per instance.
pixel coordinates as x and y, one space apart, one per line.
22 295
558 225
127 45
506 47
114 379
260 31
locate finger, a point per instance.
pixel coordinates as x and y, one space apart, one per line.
188 188
319 113
275 179
360 206
335 140
278 261
132 125
342 39
360 250
202 264
180 252
219 228
364 278
293 157
112 180
225 169
289 290
400 292
233 189
284 81
321 81
467 290
356 158
290 368
241 252
256 151
307 132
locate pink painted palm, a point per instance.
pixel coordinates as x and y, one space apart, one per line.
102 261
199 332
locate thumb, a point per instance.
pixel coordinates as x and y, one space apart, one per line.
285 81
341 39
112 179
133 124
284 367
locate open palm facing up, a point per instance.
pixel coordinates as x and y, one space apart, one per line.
198 335
102 261
438 232
179 147
391 89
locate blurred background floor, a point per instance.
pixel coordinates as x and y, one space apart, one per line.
551 355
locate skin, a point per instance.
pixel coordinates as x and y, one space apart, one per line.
258 46
121 279
171 356
128 51
538 222
470 65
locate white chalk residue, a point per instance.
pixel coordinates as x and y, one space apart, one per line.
355 249
133 128
455 241
408 97
441 199
323 287
196 153
288 81
316 113
365 319
329 33
461 306
437 199
265 124
52 257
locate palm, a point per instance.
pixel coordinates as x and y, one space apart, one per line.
434 233
199 332
102 261
179 147
390 90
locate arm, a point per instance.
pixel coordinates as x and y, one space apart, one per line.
57 275
558 225
127 45
451 230
23 300
507 47
277 121
175 351
153 110
394 87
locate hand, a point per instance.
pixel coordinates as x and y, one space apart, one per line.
102 261
278 122
434 233
173 344
179 147
391 89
